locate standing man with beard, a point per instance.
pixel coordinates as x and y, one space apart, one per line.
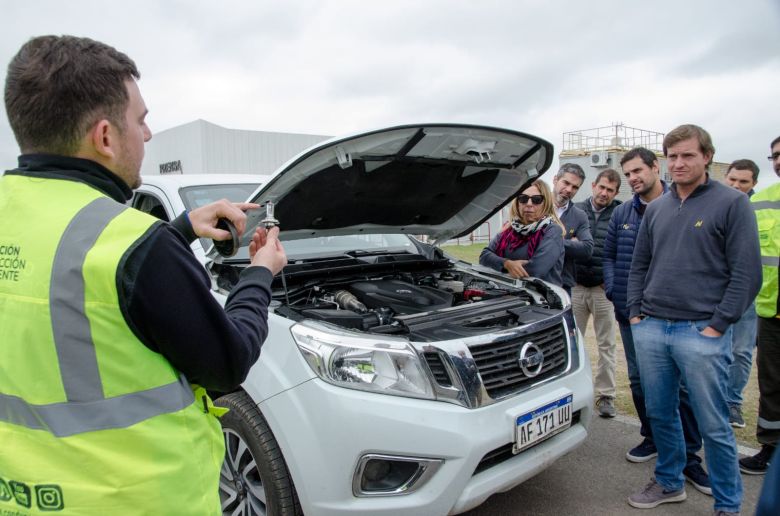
578 242
766 205
588 296
743 176
641 170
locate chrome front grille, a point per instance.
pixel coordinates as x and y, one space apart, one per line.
484 369
498 362
438 370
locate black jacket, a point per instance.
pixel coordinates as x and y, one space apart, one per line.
589 273
619 251
164 292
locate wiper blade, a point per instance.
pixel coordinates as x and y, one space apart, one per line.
361 252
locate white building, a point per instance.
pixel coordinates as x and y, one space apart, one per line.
201 147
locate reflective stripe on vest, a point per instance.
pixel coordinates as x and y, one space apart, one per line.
87 408
769 425
770 261
70 418
766 206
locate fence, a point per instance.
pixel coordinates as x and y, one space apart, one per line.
618 136
481 235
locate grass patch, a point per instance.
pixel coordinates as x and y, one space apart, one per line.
469 253
623 401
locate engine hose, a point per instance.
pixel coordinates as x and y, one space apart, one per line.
348 301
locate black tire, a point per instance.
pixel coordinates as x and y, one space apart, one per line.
254 479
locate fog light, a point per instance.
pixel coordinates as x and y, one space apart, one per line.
387 475
376 470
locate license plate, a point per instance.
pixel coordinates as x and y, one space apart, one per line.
539 424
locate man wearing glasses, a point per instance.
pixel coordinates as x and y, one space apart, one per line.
766 205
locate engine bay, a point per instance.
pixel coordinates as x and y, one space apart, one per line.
423 305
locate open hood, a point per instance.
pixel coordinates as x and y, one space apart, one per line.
440 180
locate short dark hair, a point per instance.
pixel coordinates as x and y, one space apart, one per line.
58 87
774 142
686 132
571 168
745 164
647 156
611 175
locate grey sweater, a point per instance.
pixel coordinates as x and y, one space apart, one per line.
546 262
696 259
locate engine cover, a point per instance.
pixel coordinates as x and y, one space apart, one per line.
399 296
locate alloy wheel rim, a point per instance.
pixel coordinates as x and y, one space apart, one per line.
241 489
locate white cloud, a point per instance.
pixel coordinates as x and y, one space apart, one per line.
338 66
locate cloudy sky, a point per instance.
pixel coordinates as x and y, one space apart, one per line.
540 66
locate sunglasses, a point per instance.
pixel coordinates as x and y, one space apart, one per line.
536 199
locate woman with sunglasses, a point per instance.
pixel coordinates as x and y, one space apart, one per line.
532 244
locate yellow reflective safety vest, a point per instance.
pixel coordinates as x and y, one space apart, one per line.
92 422
766 206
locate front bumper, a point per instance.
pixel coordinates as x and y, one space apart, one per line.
324 430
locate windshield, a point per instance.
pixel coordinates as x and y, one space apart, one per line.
200 195
338 245
197 196
322 247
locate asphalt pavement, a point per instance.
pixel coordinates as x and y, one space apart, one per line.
596 479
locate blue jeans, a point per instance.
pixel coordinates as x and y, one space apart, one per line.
769 501
672 351
743 342
690 429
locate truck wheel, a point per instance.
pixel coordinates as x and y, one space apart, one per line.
254 479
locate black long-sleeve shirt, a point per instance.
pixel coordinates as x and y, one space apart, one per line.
164 292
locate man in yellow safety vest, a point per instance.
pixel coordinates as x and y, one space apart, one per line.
106 316
766 205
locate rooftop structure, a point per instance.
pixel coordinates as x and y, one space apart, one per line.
614 138
603 147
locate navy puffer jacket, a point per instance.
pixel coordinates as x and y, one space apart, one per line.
618 250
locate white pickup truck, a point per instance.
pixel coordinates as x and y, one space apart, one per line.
394 379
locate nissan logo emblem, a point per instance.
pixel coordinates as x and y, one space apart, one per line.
530 359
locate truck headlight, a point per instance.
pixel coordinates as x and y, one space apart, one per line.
388 365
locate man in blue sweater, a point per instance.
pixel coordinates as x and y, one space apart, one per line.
693 275
577 242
